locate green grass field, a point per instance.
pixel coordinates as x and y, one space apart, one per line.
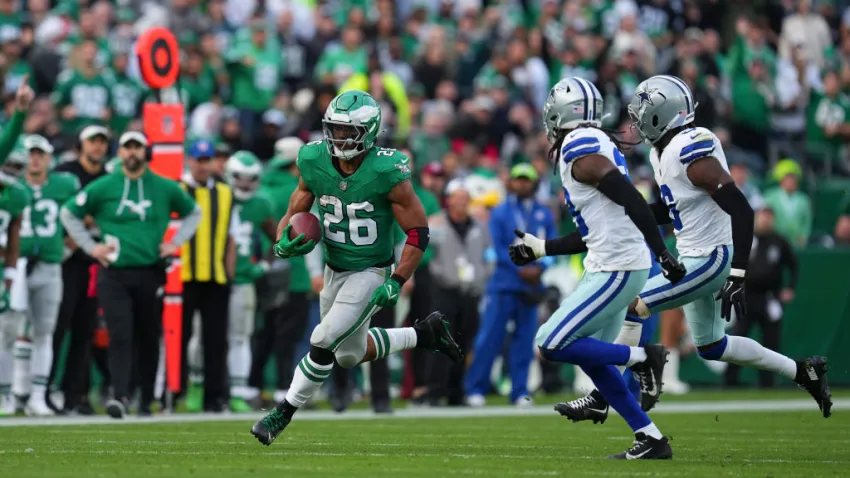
758 444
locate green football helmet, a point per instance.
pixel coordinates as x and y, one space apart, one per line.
16 164
242 172
351 124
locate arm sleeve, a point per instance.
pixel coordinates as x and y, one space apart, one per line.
188 226
11 133
661 213
618 189
76 229
735 204
570 244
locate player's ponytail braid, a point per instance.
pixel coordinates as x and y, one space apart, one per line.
556 147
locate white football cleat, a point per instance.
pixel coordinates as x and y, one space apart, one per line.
37 407
476 401
7 405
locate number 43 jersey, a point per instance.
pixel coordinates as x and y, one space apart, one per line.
355 212
699 223
614 243
41 230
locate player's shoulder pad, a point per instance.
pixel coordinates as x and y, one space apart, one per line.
389 159
693 144
311 151
21 192
582 142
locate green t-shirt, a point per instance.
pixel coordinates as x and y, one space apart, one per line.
253 213
824 111
198 90
355 210
341 64
41 231
132 214
14 198
255 86
127 96
88 95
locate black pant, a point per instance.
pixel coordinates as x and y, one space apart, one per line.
77 316
212 301
132 305
771 330
421 304
379 370
284 328
445 378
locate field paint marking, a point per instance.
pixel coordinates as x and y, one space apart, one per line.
289 453
538 410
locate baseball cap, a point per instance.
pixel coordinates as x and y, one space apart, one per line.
787 167
91 131
275 117
37 141
434 168
524 170
131 136
455 185
285 152
201 148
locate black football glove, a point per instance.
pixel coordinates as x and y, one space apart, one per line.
524 253
672 269
732 295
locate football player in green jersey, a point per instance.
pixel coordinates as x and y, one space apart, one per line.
255 212
360 189
14 198
37 292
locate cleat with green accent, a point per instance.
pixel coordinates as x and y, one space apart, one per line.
267 429
239 405
814 381
433 333
195 398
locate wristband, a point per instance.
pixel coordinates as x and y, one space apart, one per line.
737 273
401 280
10 273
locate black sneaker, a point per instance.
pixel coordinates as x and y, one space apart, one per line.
813 380
433 333
646 448
648 374
382 407
84 408
116 408
267 429
584 408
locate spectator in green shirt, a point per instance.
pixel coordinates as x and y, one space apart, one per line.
82 94
15 68
792 207
337 63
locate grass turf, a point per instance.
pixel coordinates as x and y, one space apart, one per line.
769 444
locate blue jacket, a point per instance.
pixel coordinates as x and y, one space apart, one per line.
528 216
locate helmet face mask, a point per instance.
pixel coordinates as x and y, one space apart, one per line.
351 124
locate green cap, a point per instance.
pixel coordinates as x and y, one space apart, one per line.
787 167
524 170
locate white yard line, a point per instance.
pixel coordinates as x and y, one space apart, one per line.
539 410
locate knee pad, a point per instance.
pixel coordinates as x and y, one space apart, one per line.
320 337
43 325
348 360
321 356
715 352
10 328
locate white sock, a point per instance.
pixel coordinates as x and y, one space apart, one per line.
239 366
6 360
308 378
671 370
390 341
636 355
629 333
42 358
21 373
746 351
280 395
651 431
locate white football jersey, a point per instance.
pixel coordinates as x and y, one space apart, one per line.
699 223
614 243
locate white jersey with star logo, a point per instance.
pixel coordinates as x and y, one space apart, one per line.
699 223
614 243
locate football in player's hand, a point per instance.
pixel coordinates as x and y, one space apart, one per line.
307 224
